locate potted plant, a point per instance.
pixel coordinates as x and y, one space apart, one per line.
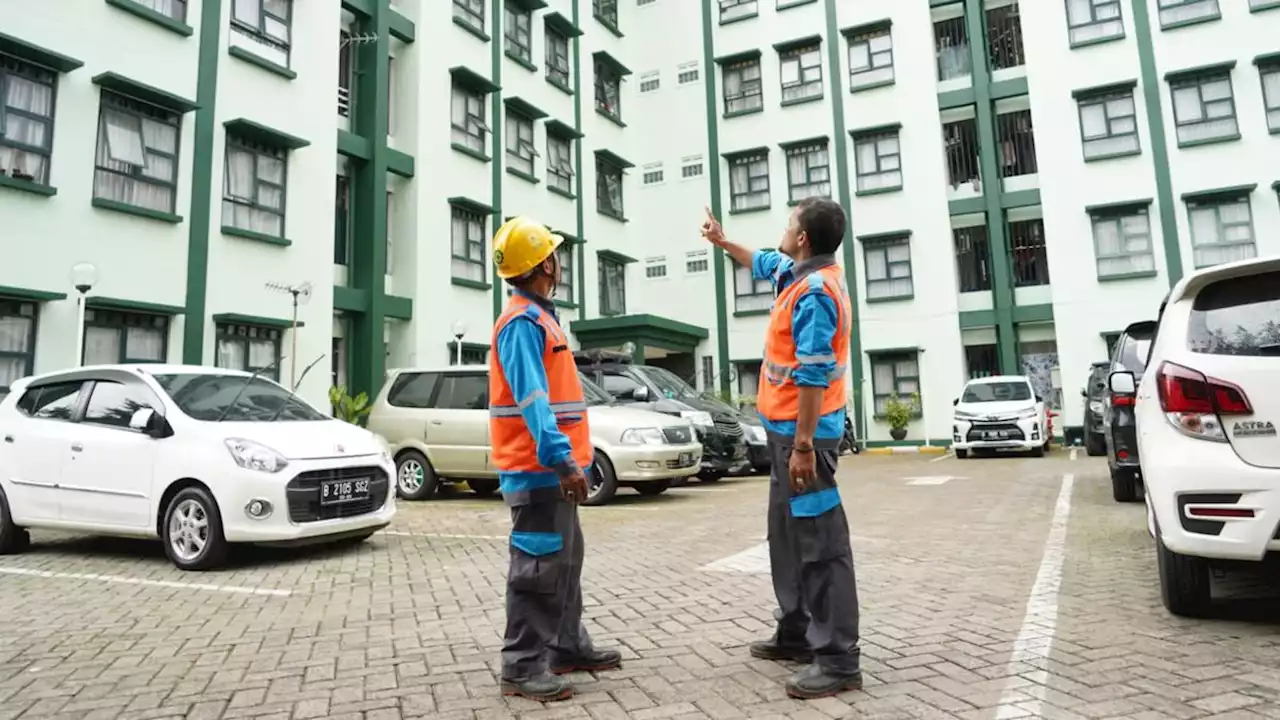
899 413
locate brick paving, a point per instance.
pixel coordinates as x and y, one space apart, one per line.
408 624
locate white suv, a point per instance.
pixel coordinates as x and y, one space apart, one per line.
1000 412
1207 409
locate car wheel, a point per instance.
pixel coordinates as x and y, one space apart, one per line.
962 454
13 539
484 488
415 478
1095 444
710 478
657 487
193 537
1184 582
1124 485
602 482
1038 451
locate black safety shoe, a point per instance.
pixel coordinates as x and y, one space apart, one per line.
813 682
543 687
773 650
593 661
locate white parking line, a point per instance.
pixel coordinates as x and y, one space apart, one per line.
940 458
1073 452
752 561
236 589
444 536
1035 638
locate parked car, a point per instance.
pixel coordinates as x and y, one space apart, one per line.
199 457
1095 398
1123 456
719 427
436 422
1206 417
757 443
1001 412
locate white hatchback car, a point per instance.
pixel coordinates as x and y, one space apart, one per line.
200 457
1206 410
1000 412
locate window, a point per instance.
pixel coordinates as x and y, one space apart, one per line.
517 36
1017 144
112 336
51 402
173 9
470 13
691 167
650 82
388 260
113 404
888 262
413 389
652 174
608 89
897 374
870 58
606 11
708 373
1090 21
1204 108
346 72
471 354
620 386
613 286
250 348
521 152
391 96
565 254
696 262
469 127
879 161
655 268
973 258
253 196
137 155
1221 230
1122 242
463 392
951 46
687 73
557 58
749 294
26 120
467 236
801 70
731 10
17 341
1270 75
1030 259
749 181
960 141
560 163
342 222
1004 37
264 24
748 376
1109 125
981 361
742 88
609 189
808 171
1182 12
1237 317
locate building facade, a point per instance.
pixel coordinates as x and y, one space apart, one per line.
1022 179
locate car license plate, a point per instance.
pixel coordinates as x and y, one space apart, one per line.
686 458
339 492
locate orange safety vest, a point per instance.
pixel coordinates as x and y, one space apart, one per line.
778 397
513 446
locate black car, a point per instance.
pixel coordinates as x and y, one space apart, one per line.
1094 393
1119 427
719 427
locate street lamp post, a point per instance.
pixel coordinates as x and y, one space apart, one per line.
84 275
459 330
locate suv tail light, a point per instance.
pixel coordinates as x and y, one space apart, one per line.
1194 403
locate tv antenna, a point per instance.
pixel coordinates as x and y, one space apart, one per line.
301 294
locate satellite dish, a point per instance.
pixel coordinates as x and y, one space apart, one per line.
304 293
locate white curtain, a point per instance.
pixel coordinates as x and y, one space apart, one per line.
261 353
128 145
15 336
254 179
101 346
176 9
37 99
231 354
144 344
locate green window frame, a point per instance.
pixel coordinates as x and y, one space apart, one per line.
613 286
129 332
252 348
808 171
894 373
606 11
255 185
1269 76
1108 125
557 59
608 86
733 10
268 24
1221 230
137 155
1122 243
18 321
871 58
750 296
560 170
522 155
1176 13
517 32
568 261
1204 108
26 128
878 161
800 72
470 128
1094 21
749 182
743 89
887 265
467 240
609 193
470 13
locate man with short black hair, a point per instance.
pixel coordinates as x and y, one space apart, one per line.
801 401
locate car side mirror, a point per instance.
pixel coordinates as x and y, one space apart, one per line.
1122 383
149 422
956 401
1084 393
640 394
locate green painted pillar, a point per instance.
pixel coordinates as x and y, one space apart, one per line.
713 176
498 123
577 163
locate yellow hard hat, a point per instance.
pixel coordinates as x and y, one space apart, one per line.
520 245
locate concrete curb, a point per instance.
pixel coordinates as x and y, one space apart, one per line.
907 450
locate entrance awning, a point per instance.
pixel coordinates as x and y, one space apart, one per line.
649 333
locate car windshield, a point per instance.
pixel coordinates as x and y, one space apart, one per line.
592 393
668 384
208 396
996 392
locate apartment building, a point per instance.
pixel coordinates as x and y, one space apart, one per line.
1023 179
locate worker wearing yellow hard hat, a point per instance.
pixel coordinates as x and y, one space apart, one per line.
541 446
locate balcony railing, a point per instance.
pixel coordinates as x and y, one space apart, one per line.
973 258
1017 144
960 142
344 101
1028 253
1004 38
951 45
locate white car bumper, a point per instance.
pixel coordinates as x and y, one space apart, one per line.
640 463
297 514
1019 434
1184 479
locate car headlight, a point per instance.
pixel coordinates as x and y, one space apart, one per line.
697 417
643 436
755 434
962 415
255 456
1095 406
1028 413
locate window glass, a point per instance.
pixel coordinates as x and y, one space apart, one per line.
113 403
413 390
51 402
619 385
1240 316
210 397
463 392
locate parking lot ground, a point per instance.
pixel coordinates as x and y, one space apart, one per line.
990 588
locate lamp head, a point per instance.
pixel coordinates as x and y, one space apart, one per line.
84 275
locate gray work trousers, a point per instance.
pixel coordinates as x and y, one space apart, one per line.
544 592
812 561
